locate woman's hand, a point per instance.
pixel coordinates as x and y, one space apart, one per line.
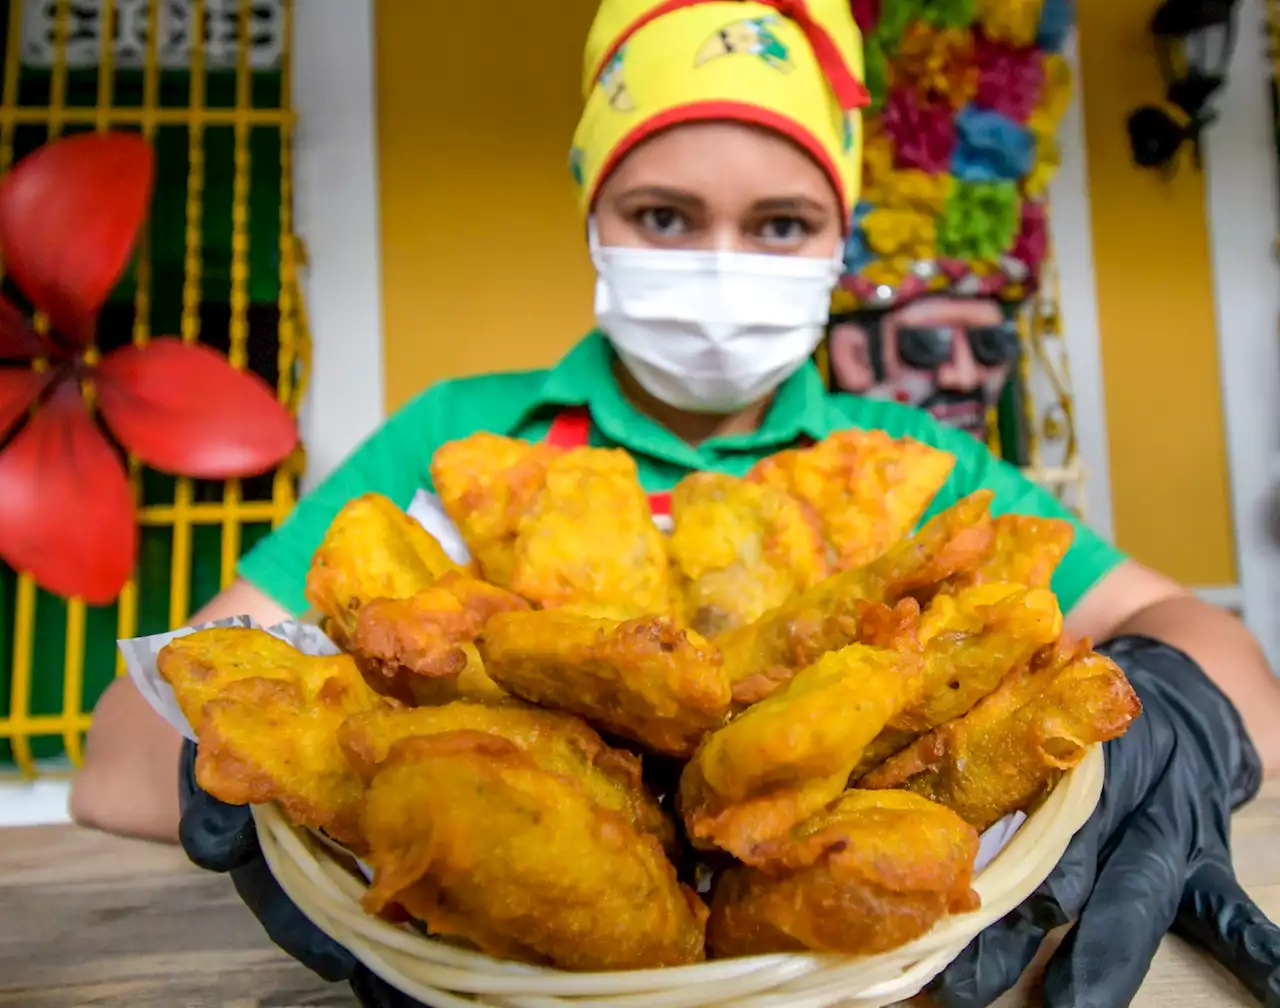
1155 856
1134 599
222 838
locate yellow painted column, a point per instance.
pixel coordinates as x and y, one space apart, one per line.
1169 476
484 261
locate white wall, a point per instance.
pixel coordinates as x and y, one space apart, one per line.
1073 244
1241 196
336 172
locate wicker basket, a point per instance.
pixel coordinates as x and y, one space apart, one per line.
322 883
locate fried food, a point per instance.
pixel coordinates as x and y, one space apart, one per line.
417 649
645 679
739 549
267 717
486 485
872 872
371 550
760 657
1027 551
868 489
558 743
589 543
780 761
470 835
971 641
1014 746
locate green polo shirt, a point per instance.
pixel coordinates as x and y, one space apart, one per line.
395 460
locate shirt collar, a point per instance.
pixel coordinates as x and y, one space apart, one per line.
584 377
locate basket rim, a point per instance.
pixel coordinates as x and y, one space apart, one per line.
446 975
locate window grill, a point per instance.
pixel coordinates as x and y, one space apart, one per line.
207 82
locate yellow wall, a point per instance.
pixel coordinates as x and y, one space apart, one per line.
1169 487
484 262
484 265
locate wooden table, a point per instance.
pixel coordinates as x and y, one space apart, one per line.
90 920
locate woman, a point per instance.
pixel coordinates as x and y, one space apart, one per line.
718 160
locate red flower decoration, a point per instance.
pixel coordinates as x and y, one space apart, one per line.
1033 239
1009 79
866 15
69 217
923 132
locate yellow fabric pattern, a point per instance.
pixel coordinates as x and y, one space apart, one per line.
790 65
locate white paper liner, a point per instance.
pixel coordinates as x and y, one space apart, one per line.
140 659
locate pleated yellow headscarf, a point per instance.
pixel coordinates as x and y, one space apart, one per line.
793 66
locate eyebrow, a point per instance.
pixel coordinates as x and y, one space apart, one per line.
676 197
789 204
686 200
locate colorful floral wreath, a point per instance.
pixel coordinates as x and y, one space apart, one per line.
959 147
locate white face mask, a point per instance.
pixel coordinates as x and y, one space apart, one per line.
711 332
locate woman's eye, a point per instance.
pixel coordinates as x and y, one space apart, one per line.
785 230
666 222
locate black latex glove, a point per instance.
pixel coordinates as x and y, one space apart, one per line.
222 838
1154 857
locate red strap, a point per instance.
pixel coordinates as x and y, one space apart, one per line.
572 429
849 91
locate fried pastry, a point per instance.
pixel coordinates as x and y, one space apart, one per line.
760 657
971 641
644 679
589 543
372 550
267 717
468 834
1014 746
739 549
868 489
486 484
418 649
558 743
871 872
1027 550
785 758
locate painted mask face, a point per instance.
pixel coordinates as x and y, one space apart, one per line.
949 356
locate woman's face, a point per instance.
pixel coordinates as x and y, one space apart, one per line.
721 186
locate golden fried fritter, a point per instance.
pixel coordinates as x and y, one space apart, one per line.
1008 751
867 488
780 761
372 550
739 549
267 718
644 679
971 640
872 872
1027 551
416 649
486 484
201 665
761 656
589 543
467 833
558 743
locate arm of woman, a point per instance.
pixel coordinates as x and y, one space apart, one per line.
1133 599
126 785
1107 595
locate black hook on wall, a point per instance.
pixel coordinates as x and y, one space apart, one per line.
1194 40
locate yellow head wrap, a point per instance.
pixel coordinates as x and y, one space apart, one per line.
793 66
